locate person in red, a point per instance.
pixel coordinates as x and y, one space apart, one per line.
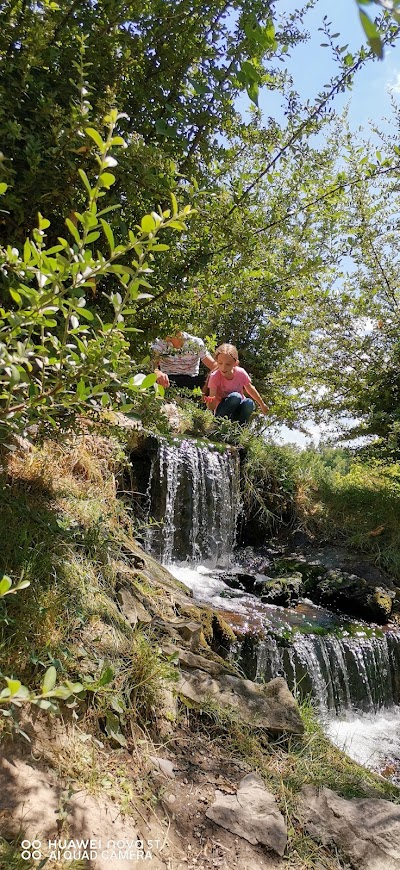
227 386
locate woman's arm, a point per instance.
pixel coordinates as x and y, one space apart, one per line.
254 394
162 377
209 361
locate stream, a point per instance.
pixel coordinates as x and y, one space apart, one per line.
349 668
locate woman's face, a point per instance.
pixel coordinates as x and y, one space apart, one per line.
176 340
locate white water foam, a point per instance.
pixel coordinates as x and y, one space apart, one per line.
372 740
207 587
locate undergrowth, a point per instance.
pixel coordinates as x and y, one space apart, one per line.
64 530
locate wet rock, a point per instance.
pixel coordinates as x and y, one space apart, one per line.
270 706
252 814
239 579
354 595
310 572
254 561
283 591
366 830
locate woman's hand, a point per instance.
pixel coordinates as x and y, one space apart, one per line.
162 378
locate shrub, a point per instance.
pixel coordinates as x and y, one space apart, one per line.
59 356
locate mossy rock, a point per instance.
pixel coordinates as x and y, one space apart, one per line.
282 591
355 596
311 572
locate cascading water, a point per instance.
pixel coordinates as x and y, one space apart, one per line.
194 498
352 671
342 674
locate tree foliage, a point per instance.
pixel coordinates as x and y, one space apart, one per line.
275 201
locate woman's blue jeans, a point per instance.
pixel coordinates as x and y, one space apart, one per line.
234 406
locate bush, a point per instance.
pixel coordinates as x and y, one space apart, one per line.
59 356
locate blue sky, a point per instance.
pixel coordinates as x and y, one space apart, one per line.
311 65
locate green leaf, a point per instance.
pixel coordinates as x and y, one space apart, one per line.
62 692
148 224
85 181
164 130
250 72
108 234
252 92
372 33
107 179
73 230
44 223
27 251
13 686
3 187
106 677
5 585
23 692
15 295
148 381
85 313
92 237
76 688
90 131
113 728
49 681
45 705
23 584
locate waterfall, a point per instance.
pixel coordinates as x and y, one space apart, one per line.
359 673
194 499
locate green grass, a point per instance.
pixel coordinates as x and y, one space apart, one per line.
63 529
355 501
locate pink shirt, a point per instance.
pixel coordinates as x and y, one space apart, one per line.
224 386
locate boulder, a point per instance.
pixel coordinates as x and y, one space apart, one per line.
282 591
238 578
355 596
189 660
366 830
251 813
310 572
270 706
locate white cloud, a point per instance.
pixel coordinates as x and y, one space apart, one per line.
393 86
